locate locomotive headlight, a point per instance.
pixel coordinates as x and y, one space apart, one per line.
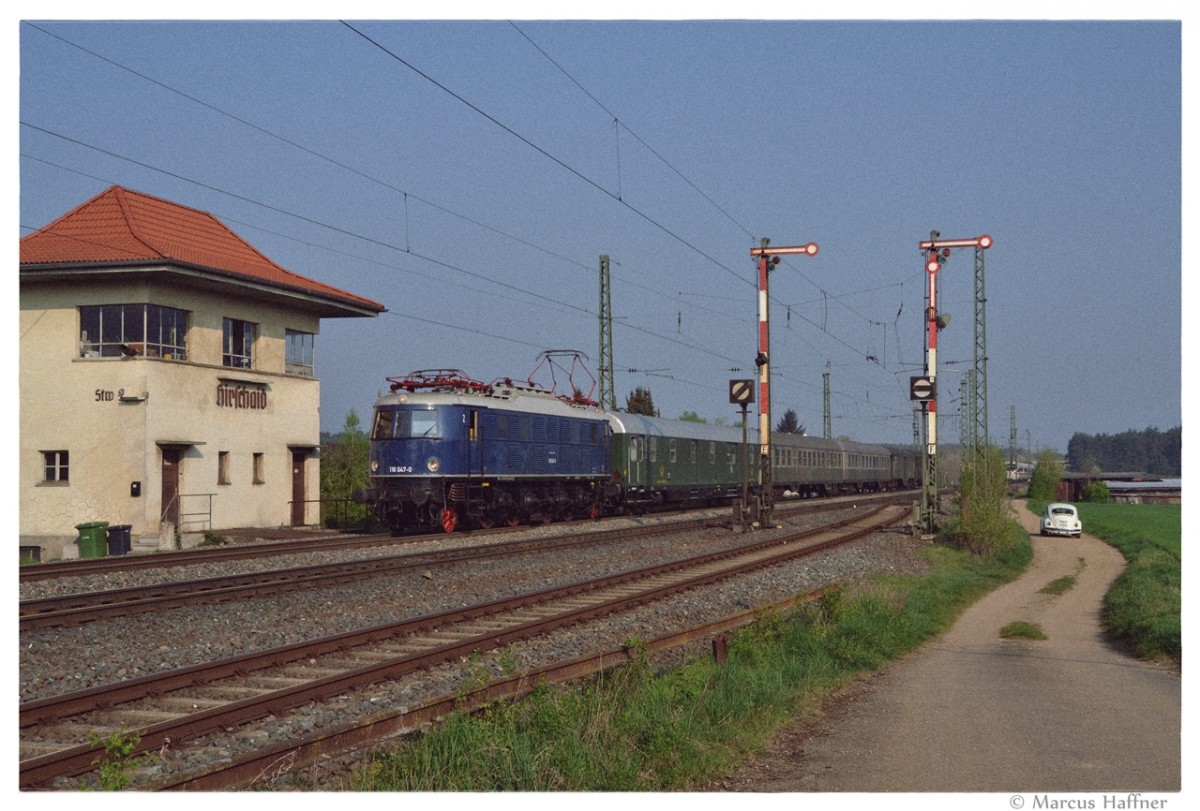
433 464
374 465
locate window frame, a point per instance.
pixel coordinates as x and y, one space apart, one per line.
127 329
57 462
300 353
237 343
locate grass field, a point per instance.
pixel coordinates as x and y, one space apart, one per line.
1143 608
634 729
1157 524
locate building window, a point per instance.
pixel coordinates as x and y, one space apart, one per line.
57 464
238 344
223 467
300 353
130 330
259 469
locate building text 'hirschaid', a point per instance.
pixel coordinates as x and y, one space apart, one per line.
241 397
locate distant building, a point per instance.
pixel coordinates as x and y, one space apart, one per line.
1126 488
1147 490
167 376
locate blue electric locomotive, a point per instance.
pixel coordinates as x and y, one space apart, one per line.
447 449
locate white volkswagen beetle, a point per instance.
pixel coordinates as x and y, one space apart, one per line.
1061 519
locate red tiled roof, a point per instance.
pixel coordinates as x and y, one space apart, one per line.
119 226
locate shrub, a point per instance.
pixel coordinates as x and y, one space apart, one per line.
1046 476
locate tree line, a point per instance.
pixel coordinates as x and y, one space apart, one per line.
1148 451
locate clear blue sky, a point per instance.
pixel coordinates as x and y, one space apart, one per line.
468 175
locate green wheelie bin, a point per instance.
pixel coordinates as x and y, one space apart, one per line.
93 540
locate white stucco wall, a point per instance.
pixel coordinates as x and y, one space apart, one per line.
114 414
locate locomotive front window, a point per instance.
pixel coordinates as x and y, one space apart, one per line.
424 424
384 420
393 424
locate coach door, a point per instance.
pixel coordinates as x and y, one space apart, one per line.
637 460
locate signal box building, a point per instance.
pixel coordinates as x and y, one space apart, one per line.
167 377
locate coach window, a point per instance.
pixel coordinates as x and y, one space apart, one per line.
238 343
672 446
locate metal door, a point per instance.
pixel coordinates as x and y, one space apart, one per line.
298 489
170 485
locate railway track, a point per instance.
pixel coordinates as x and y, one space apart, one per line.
297 546
73 609
176 706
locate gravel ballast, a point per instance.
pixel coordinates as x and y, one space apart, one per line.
57 661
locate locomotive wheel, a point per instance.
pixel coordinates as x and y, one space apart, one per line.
594 513
487 523
513 521
449 519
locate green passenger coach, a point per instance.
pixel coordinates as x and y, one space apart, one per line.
657 461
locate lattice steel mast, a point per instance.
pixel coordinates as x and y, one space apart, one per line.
608 391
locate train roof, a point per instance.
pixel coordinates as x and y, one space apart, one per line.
515 397
451 388
623 423
823 444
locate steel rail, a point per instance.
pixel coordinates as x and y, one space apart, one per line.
74 609
67 610
247 771
191 557
78 759
217 554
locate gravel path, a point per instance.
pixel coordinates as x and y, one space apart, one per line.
974 712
